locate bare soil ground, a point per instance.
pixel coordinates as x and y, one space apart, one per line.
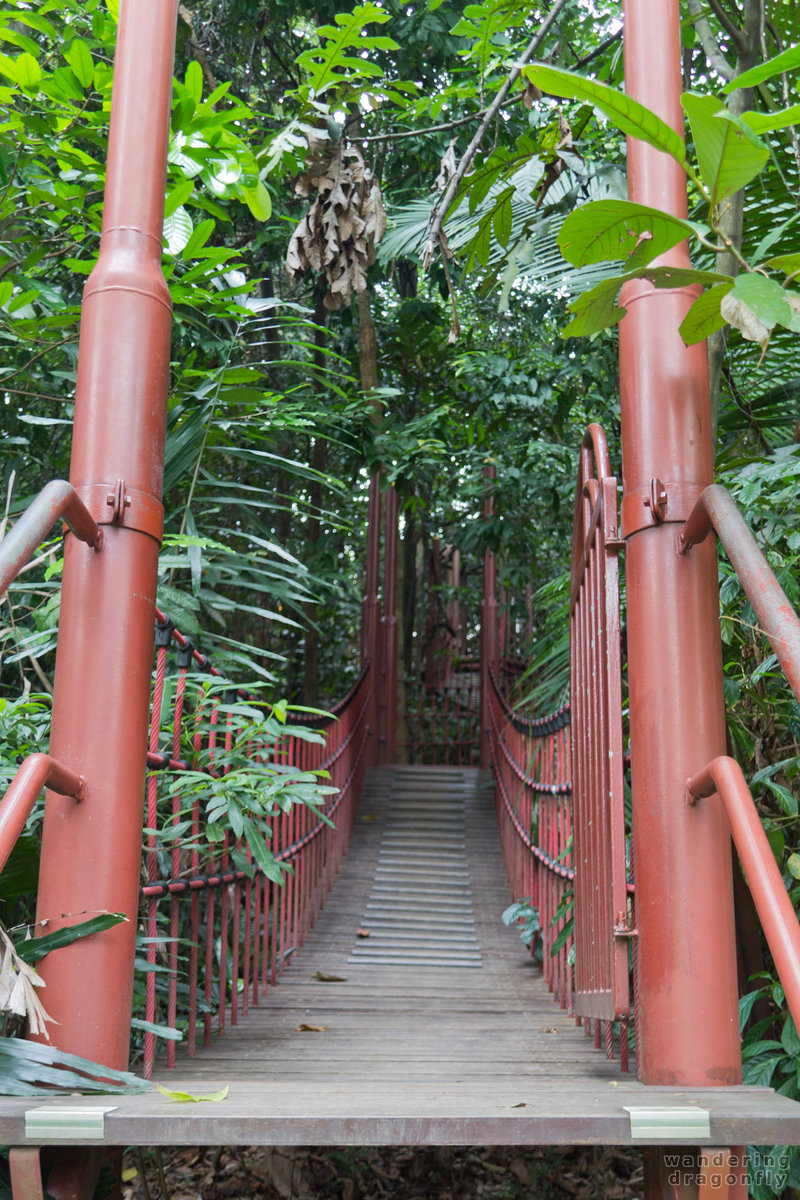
384 1173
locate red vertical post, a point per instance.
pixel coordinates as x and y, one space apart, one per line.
91 850
388 713
370 611
488 624
688 1018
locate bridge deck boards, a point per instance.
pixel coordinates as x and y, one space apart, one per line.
473 1050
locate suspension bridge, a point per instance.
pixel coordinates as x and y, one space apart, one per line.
373 996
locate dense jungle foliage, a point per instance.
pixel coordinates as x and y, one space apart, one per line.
357 285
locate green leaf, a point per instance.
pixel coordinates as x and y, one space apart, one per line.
28 71
188 1098
200 236
788 263
618 229
746 1007
563 936
177 230
793 865
162 1031
764 297
502 218
626 113
35 948
788 60
35 1069
194 81
704 317
785 798
259 201
80 59
596 309
178 196
789 1039
766 122
728 153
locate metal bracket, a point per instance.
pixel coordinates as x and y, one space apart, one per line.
127 508
658 503
622 929
668 1124
66 1124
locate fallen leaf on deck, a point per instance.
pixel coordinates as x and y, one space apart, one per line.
324 978
550 1029
311 1028
521 1104
362 933
188 1098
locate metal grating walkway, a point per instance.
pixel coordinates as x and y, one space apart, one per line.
420 911
397 1047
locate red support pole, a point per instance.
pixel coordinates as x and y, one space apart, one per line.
688 1016
91 851
371 613
388 713
488 626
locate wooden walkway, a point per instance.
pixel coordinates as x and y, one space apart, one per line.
435 1029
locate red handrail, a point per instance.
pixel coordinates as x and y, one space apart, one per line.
778 919
58 499
36 772
717 509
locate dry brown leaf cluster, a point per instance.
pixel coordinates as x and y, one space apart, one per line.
18 984
339 233
389 1173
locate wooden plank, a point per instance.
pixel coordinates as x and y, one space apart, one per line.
416 1054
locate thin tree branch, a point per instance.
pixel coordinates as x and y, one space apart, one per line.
709 43
408 133
445 201
598 50
728 24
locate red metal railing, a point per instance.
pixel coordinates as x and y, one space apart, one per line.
441 723
603 924
559 784
715 509
240 925
57 500
531 761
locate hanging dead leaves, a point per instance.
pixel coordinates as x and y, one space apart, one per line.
339 233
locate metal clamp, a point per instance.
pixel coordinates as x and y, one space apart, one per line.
658 503
118 505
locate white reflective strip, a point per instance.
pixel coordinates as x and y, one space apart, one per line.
67 1123
673 1123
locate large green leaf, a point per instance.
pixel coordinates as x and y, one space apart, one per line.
619 229
704 317
764 122
597 309
626 113
788 60
728 153
35 1069
767 299
36 948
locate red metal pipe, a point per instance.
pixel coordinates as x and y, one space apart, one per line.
688 1010
778 918
57 499
91 852
716 508
388 715
17 805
